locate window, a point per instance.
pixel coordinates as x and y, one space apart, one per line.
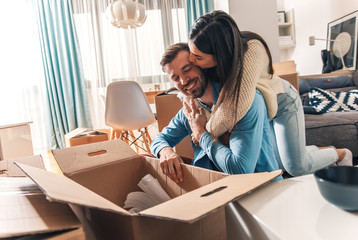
22 80
112 54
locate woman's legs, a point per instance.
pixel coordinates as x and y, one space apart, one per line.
289 129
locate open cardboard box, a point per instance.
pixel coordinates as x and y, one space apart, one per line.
287 71
80 136
100 175
24 209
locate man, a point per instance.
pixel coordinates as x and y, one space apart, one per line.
246 149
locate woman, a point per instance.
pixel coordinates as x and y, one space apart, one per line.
242 63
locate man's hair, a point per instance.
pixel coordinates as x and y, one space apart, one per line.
172 52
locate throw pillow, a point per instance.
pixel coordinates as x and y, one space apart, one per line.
309 110
326 101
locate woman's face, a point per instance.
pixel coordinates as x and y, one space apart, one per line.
199 58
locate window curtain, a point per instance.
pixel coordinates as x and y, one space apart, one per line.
66 98
21 75
197 8
115 54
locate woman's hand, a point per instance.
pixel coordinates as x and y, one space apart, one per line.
197 120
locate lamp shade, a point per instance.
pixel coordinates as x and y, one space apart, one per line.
126 13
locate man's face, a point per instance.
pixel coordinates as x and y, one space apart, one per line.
188 78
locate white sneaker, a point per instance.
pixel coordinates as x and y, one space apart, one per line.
347 160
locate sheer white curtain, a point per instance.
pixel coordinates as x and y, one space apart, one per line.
111 54
21 75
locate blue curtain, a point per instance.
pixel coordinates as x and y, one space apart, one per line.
197 8
66 99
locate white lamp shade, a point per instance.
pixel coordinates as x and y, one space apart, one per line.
126 13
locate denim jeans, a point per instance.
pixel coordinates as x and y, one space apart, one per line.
289 130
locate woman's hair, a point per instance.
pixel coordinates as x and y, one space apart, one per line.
217 34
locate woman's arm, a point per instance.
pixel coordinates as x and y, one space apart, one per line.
244 145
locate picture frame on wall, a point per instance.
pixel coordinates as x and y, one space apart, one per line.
348 24
281 15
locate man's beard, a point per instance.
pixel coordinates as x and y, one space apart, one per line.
200 91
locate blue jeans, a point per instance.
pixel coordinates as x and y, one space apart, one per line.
289 130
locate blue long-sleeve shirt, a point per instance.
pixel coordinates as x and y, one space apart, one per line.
250 144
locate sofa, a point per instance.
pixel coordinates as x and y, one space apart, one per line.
329 125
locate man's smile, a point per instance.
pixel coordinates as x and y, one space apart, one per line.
191 85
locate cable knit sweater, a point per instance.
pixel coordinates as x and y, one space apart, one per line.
255 75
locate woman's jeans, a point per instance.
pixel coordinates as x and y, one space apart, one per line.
289 130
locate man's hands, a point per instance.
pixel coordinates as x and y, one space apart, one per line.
197 120
170 164
170 160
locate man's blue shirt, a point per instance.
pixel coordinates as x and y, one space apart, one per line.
250 144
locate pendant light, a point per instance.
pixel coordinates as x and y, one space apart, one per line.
126 14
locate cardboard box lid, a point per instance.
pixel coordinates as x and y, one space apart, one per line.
92 155
62 189
9 169
25 210
195 204
186 208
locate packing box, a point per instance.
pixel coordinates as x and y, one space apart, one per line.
287 71
167 106
100 175
81 136
24 209
9 169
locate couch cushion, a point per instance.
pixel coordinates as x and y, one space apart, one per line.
305 84
339 129
355 78
331 119
326 101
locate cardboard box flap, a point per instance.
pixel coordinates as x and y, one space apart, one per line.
62 189
87 156
25 210
195 204
9 169
75 132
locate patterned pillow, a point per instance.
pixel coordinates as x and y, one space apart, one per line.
326 101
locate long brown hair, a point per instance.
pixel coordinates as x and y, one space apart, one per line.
217 34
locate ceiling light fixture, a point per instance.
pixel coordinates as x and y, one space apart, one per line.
126 14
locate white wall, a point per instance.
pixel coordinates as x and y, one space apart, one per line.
311 19
257 16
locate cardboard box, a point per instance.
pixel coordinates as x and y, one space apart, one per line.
287 71
81 136
24 208
167 106
9 169
100 175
